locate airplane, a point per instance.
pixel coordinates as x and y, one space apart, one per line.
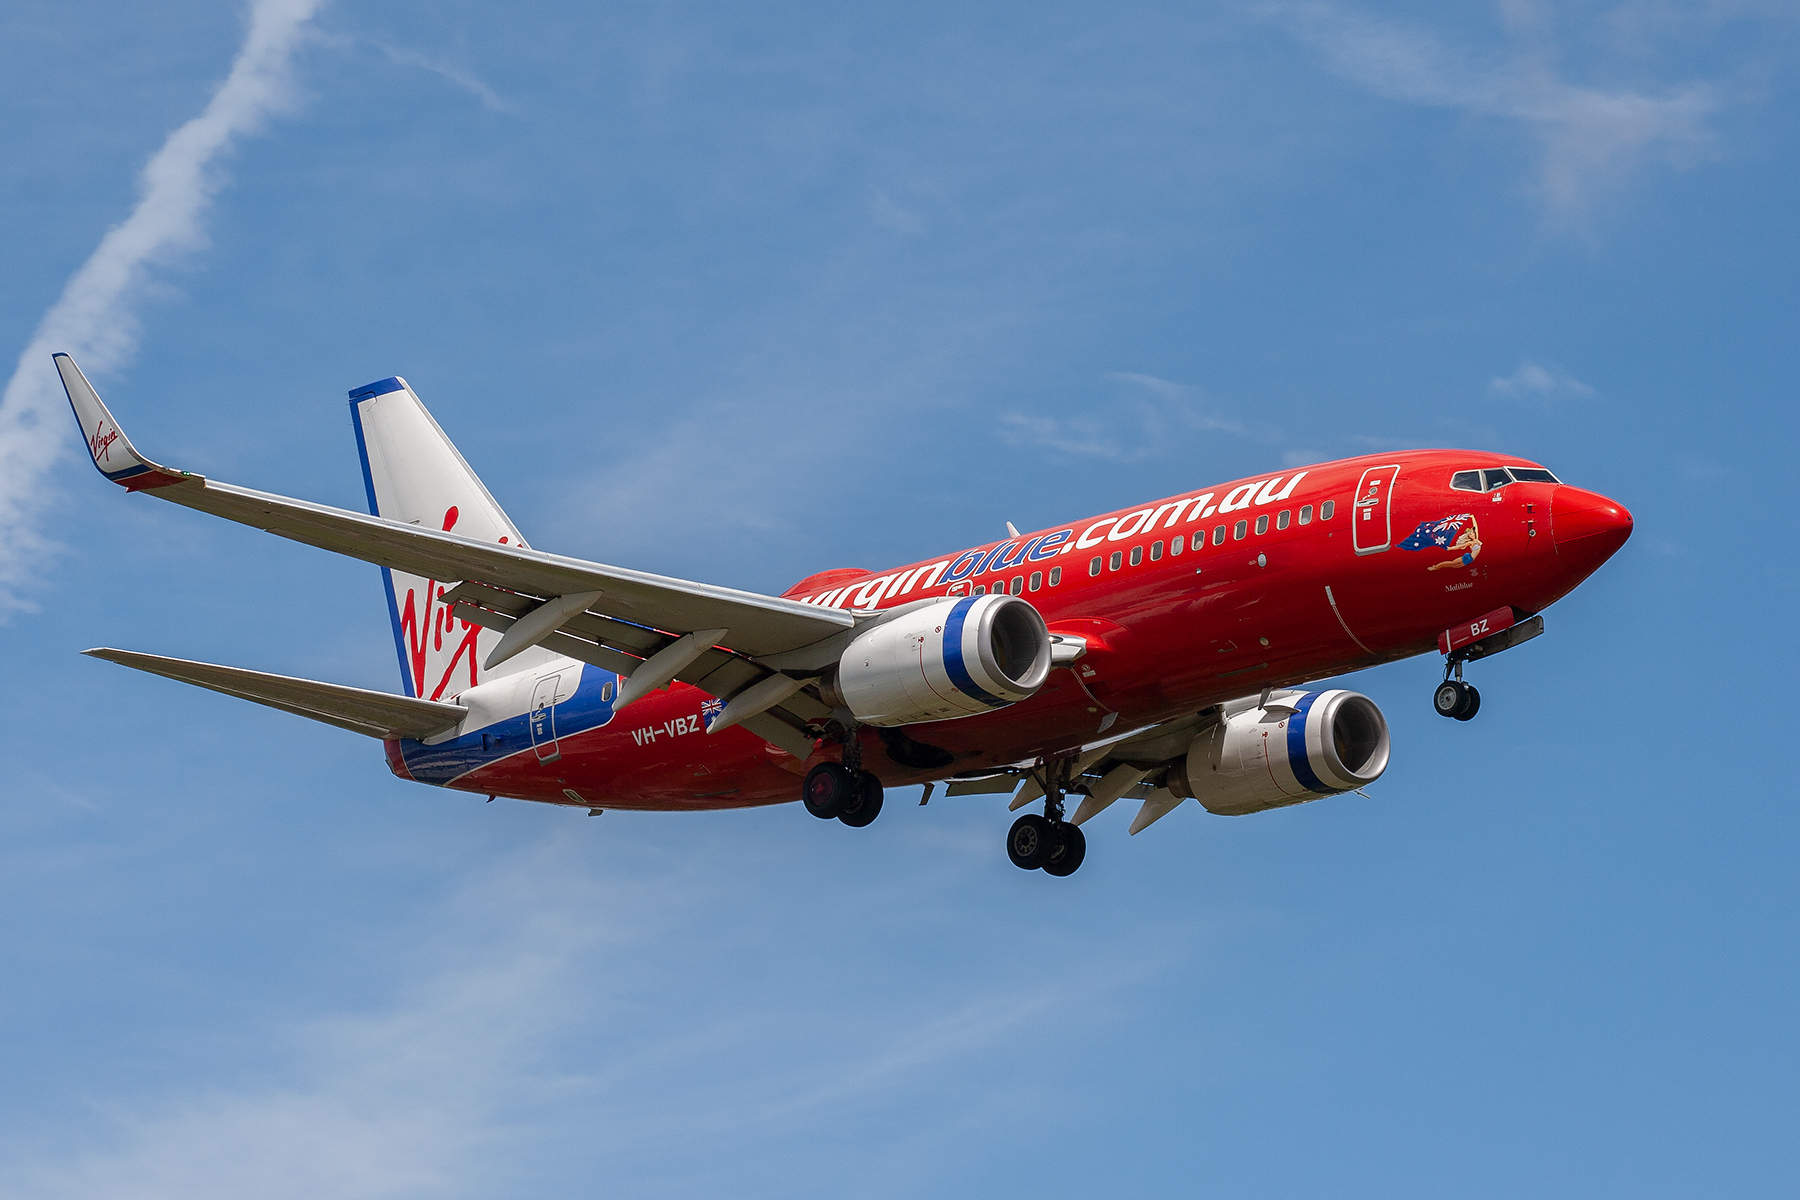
1161 652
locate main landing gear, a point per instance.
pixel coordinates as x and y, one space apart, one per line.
1047 842
843 790
1453 697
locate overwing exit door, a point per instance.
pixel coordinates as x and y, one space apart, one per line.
1371 525
542 719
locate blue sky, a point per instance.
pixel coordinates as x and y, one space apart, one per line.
740 294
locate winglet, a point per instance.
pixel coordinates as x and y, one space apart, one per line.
113 454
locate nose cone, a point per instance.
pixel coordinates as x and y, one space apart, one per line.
1587 525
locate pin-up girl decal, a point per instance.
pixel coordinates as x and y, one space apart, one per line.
1460 535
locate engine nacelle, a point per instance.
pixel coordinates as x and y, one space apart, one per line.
954 657
1301 746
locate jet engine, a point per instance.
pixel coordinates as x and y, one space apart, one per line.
1292 748
954 657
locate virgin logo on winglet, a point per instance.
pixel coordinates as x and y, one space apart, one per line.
100 445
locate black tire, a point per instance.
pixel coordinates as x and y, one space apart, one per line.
1471 703
867 802
828 787
1448 699
1029 842
1071 847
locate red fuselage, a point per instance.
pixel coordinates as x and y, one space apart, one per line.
1278 580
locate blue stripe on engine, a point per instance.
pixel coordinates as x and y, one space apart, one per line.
954 666
1297 759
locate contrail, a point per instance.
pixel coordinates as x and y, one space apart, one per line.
93 319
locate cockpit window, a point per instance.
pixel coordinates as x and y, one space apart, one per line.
1499 477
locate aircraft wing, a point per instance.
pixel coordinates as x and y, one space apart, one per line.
753 624
377 714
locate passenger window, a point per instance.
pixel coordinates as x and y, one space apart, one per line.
1118 559
981 589
1497 478
1281 522
1037 580
1306 514
1176 545
606 692
1533 475
1326 509
956 589
1155 551
1239 530
1262 524
1218 536
1056 575
1093 566
1137 555
1466 481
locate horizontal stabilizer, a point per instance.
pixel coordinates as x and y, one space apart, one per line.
376 714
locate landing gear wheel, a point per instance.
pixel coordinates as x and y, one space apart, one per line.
1471 703
1454 698
1029 842
1070 848
1448 698
828 790
866 803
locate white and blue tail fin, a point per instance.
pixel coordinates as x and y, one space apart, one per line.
415 475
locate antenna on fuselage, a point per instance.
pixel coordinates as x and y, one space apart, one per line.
1010 531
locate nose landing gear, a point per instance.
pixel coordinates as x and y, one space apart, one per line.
1047 842
1454 698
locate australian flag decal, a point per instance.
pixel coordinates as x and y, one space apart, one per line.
1436 534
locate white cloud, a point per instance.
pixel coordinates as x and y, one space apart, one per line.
1538 382
462 78
1589 134
1147 421
94 318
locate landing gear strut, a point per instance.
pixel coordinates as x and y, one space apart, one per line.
1047 842
1453 697
843 790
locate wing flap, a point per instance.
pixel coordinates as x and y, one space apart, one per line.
374 714
758 624
716 672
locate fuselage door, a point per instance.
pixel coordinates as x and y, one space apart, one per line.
543 719
1371 526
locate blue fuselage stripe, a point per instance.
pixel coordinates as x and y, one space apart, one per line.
445 762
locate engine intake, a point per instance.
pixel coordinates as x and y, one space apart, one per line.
954 657
1299 747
